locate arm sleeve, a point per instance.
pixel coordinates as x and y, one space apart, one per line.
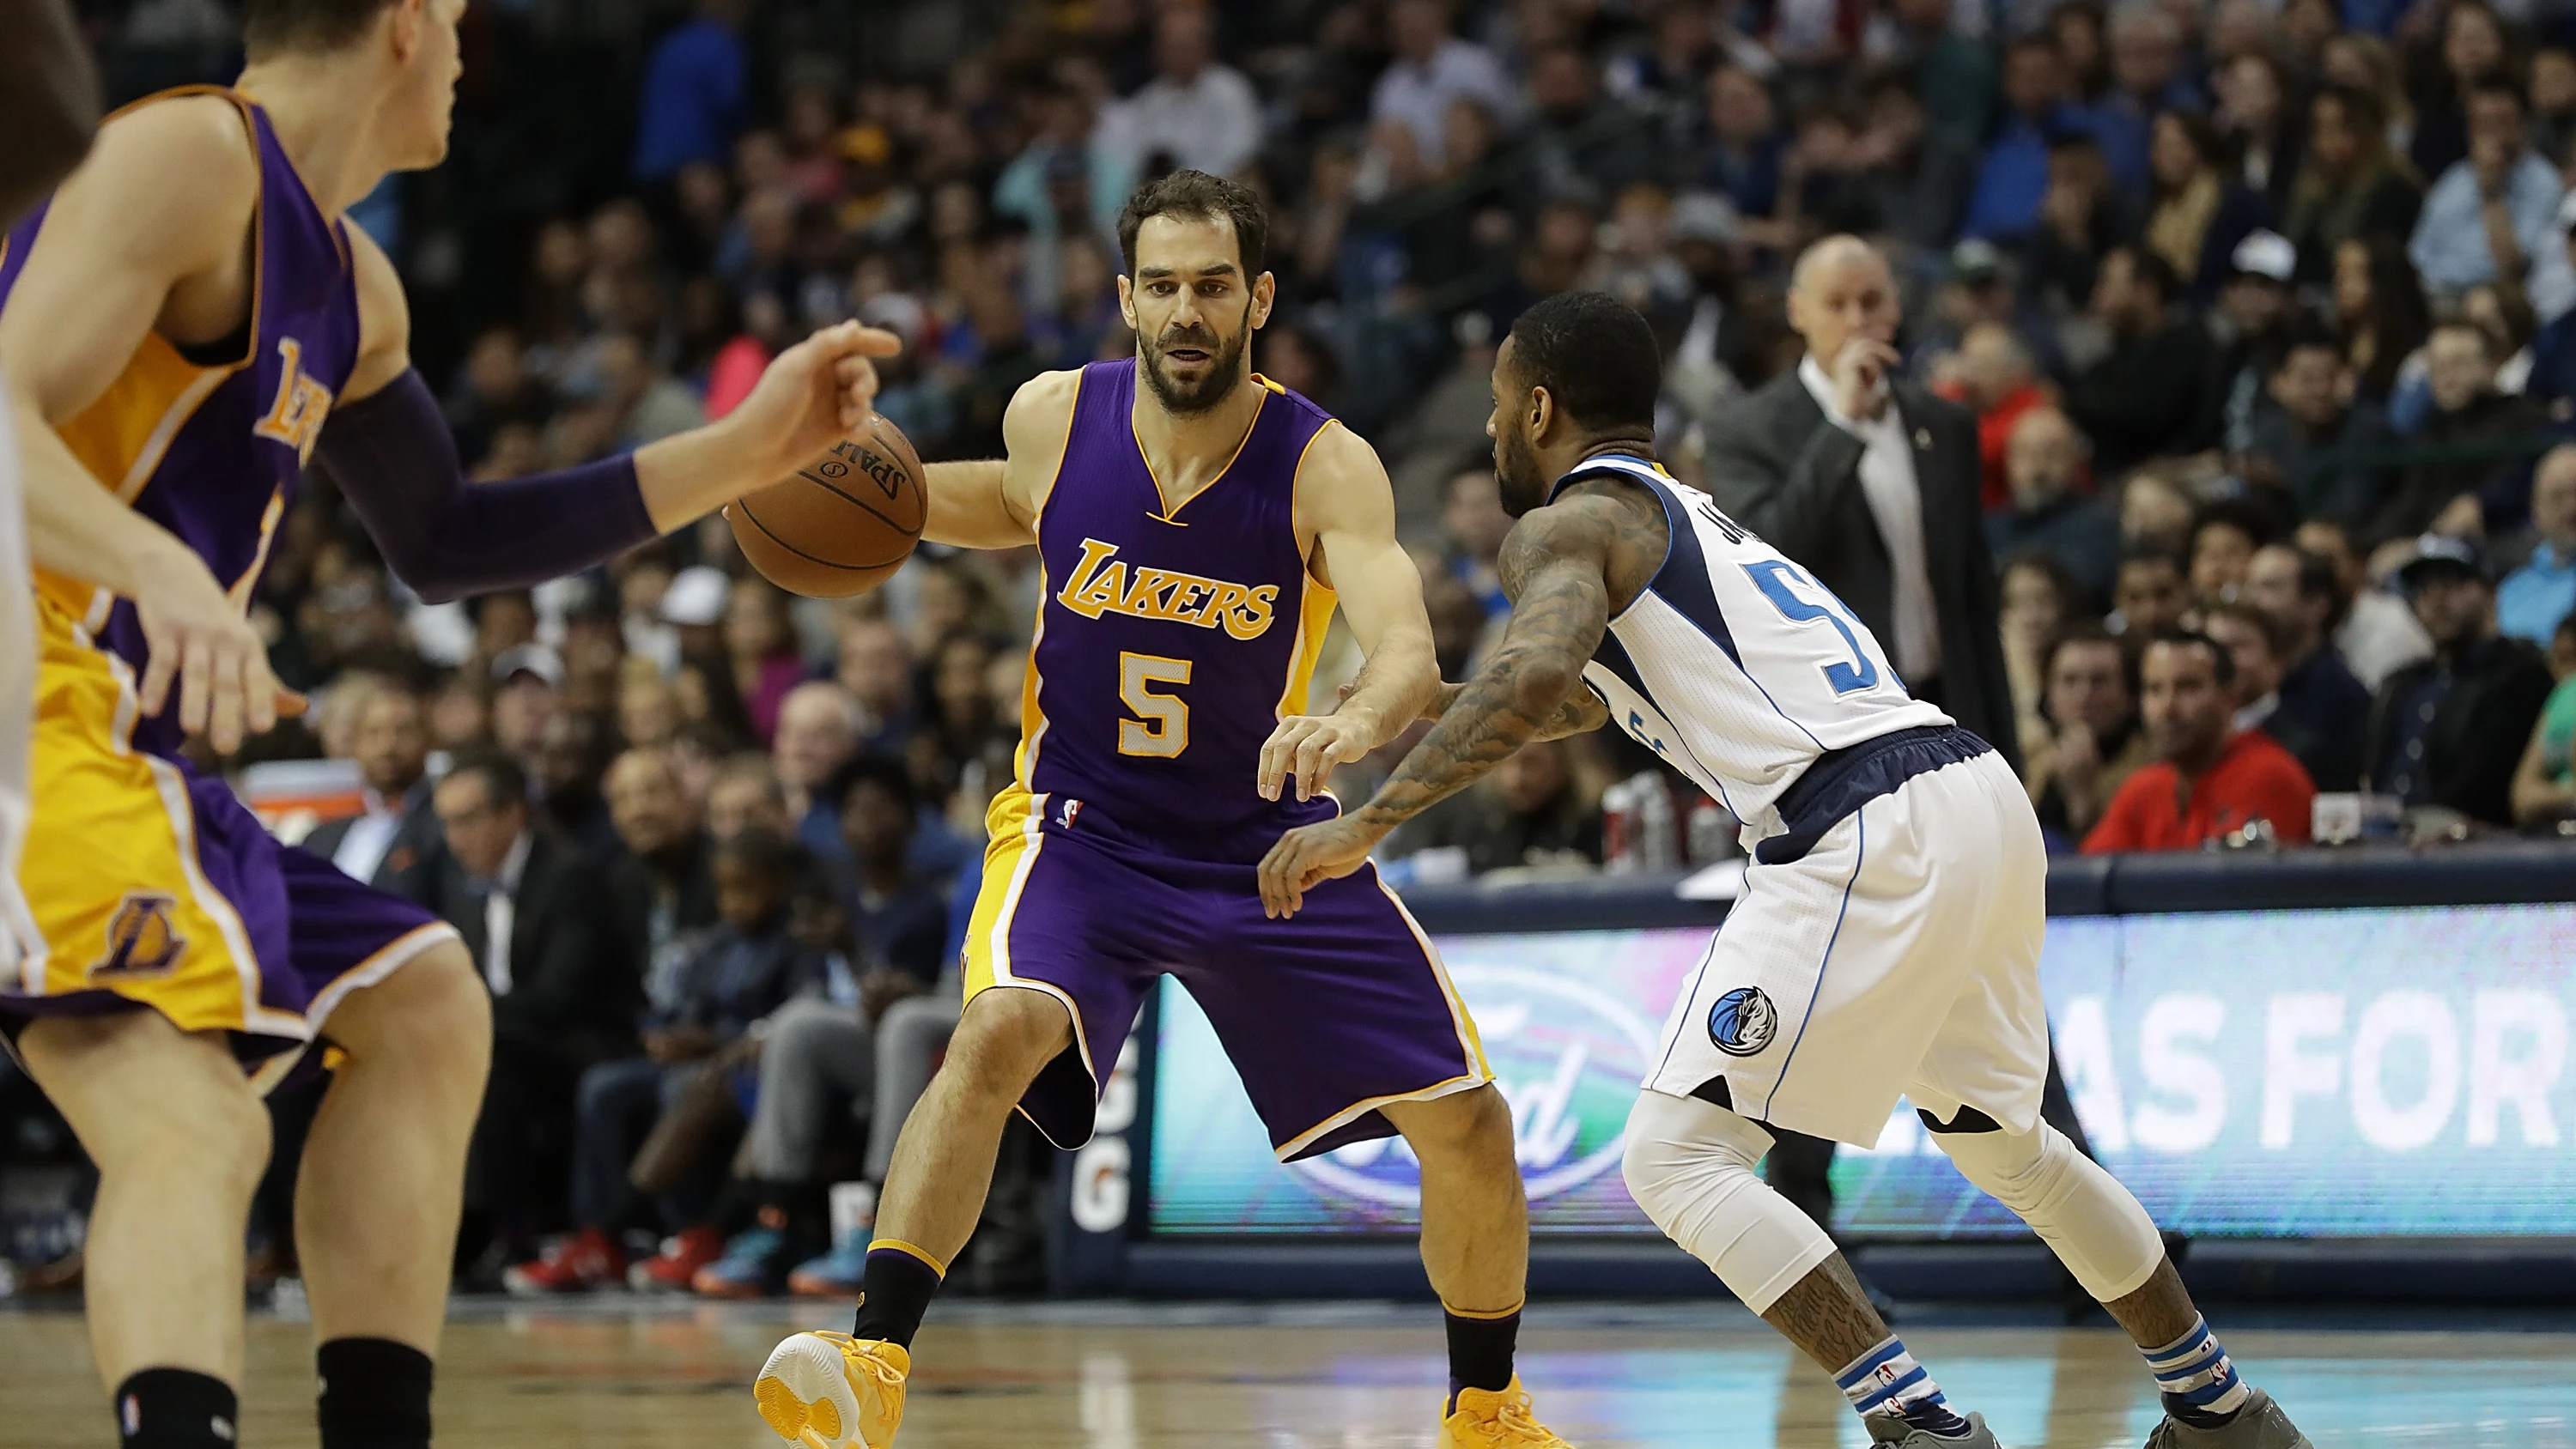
395 461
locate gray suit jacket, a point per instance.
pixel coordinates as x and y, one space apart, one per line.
1778 466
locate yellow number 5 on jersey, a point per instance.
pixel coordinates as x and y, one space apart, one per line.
1161 728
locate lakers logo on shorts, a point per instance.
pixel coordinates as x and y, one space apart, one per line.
1743 1022
140 941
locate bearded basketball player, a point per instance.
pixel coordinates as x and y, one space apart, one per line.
1197 524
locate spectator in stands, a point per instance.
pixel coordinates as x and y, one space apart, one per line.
898 917
2474 426
1197 113
1871 484
693 93
1536 812
2224 534
2046 460
2258 644
744 792
2255 116
2014 173
2148 66
2156 512
874 666
2298 592
2380 312
2040 599
2309 430
2449 732
2210 780
1991 375
2353 187
572 764
393 842
1743 159
2090 742
2374 631
562 999
2544 788
748 965
1430 69
1473 525
1918 169
661 880
2151 592
760 640
527 685
2490 213
818 733
2143 399
2535 597
2251 329
2199 212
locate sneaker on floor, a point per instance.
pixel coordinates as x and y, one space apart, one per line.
836 1274
682 1255
832 1391
753 1265
2259 1425
1484 1419
1888 1429
586 1260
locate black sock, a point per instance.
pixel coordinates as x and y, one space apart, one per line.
894 1291
1480 1350
375 1394
168 1408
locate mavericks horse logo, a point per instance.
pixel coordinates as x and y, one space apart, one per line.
1743 1022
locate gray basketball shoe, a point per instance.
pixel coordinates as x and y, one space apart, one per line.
1886 1429
2259 1425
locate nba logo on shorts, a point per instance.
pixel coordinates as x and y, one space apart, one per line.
140 941
1743 1022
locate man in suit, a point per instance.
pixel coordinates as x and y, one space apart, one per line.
661 881
394 844
1872 485
530 908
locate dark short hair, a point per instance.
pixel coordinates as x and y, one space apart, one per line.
1595 356
2244 515
2317 576
270 26
2088 633
2275 632
764 852
505 780
881 771
2309 333
1200 196
2222 665
2497 83
2146 266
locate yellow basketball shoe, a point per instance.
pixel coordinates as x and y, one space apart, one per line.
1484 1419
832 1391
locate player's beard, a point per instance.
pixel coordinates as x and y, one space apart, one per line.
1517 473
1224 371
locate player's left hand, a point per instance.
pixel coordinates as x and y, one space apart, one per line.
1308 746
811 396
1308 856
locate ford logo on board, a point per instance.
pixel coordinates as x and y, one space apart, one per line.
1568 1058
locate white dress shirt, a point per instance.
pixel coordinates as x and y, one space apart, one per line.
1895 497
371 835
1210 122
501 915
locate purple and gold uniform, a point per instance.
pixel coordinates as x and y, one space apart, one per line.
1168 647
152 885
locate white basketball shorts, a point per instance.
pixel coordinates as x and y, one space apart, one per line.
1899 956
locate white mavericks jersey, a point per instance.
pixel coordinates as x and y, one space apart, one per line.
17 700
1735 665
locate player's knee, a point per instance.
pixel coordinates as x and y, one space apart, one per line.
218 1140
434 1014
1005 1039
2017 1171
1684 1156
1462 1127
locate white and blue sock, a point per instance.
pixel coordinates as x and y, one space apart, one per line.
1886 1380
2199 1382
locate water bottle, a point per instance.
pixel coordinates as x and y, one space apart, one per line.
1619 828
1659 832
1711 836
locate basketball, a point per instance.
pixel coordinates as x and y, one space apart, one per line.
843 524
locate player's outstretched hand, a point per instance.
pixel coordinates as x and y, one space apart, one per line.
1308 746
199 640
814 394
1308 856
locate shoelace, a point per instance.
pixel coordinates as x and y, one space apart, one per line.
1518 1424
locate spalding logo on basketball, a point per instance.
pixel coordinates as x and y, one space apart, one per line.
1743 1022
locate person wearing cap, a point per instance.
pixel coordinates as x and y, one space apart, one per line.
2493 211
527 685
2448 732
2251 328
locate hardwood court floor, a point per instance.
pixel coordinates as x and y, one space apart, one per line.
616 1372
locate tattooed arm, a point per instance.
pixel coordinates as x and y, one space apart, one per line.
1554 566
1581 713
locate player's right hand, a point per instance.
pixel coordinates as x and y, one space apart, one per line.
197 639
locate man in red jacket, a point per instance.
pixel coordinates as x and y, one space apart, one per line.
2210 779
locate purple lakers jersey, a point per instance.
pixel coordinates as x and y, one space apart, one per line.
208 443
1170 643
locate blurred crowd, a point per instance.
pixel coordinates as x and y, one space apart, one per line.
2264 315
